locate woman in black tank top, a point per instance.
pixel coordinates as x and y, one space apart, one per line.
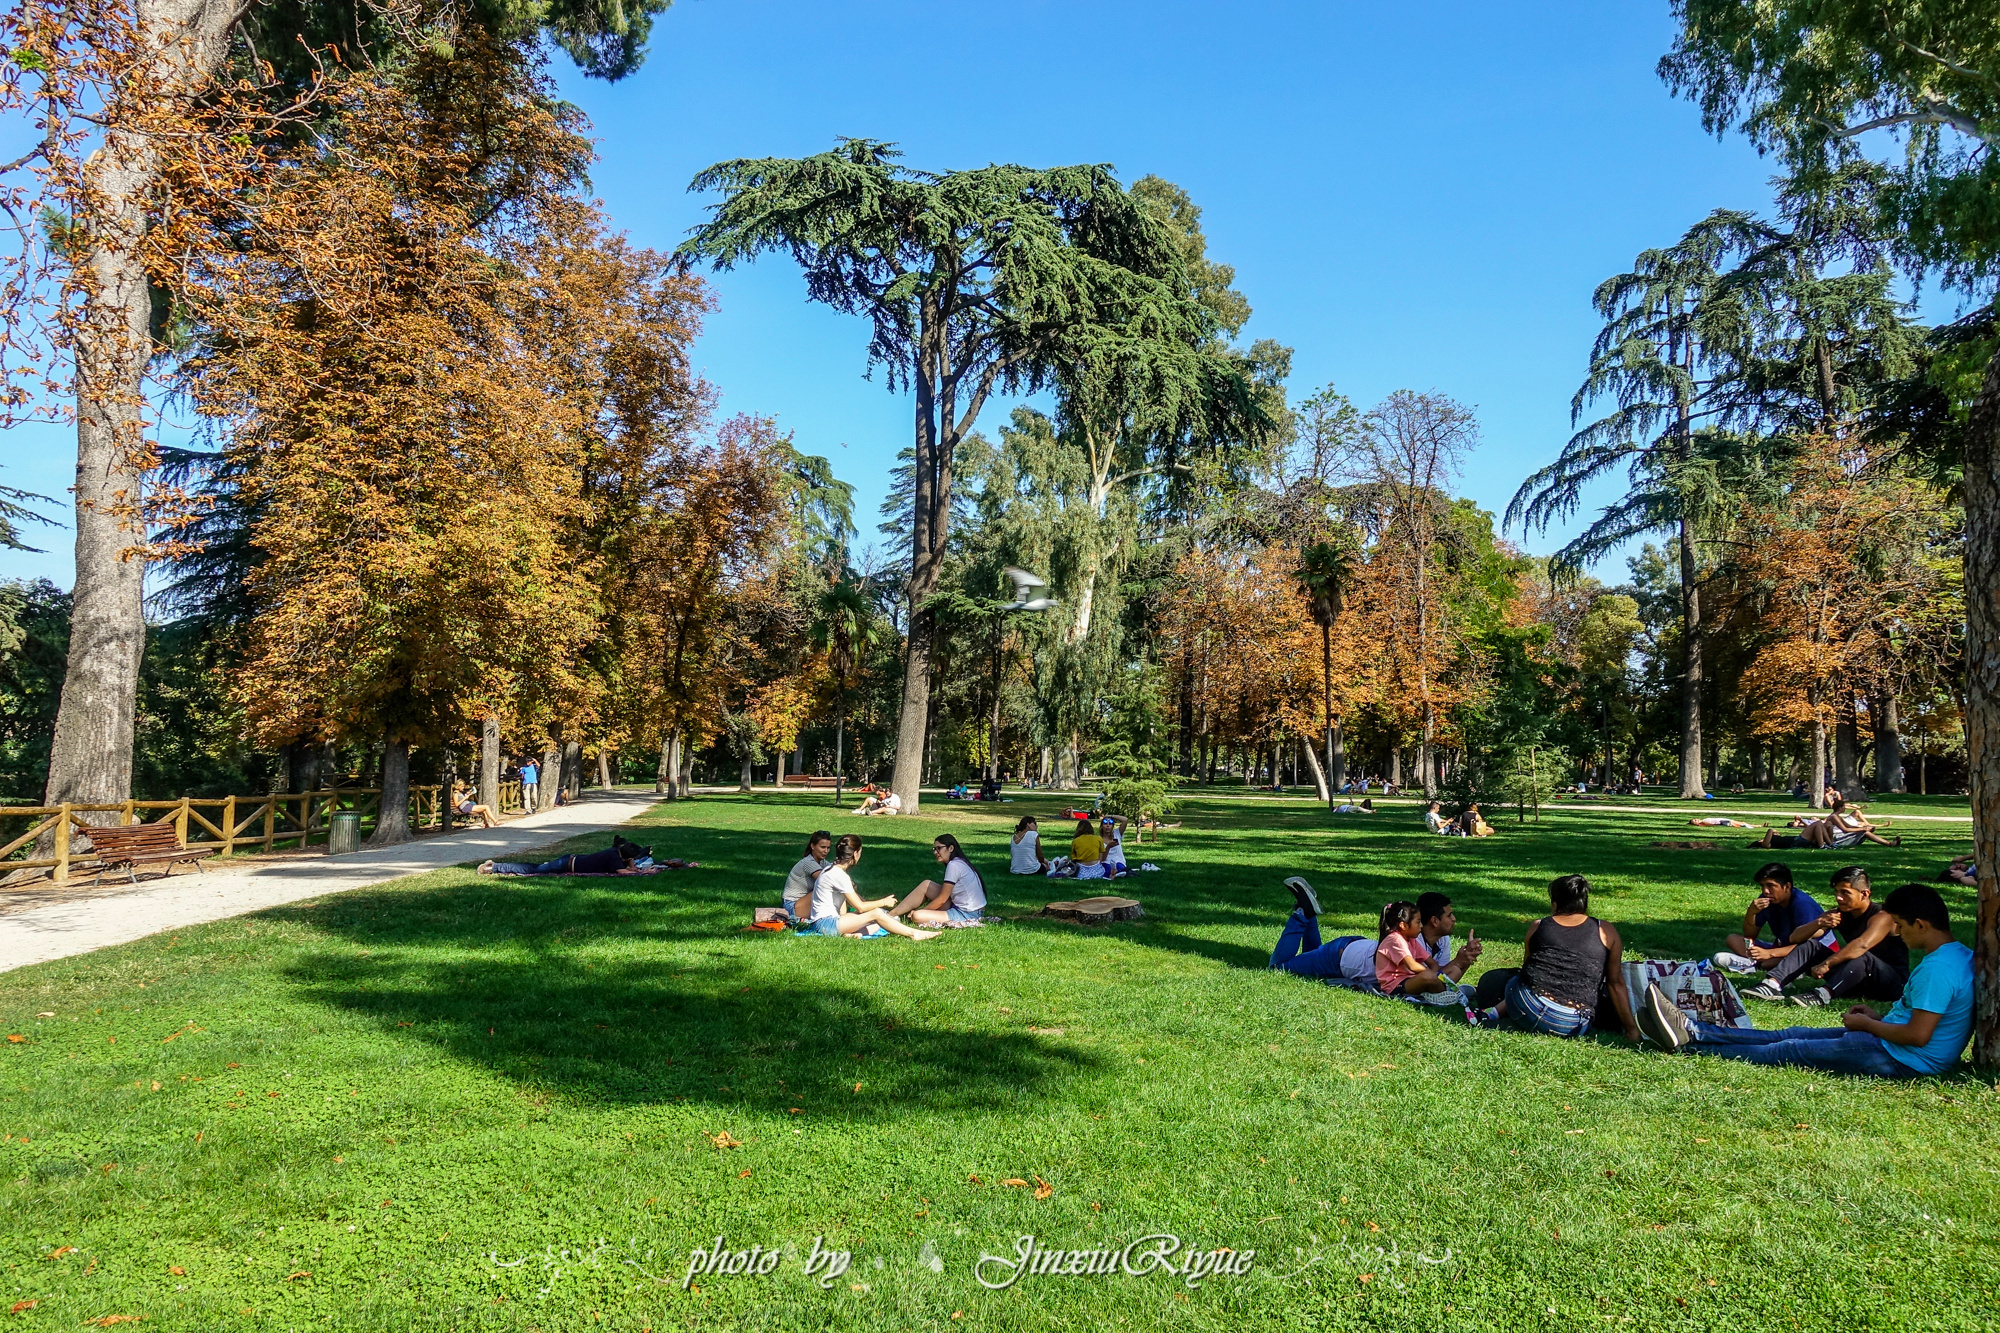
1570 958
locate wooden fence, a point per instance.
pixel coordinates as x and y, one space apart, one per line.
232 823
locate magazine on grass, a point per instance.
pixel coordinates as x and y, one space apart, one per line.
1697 989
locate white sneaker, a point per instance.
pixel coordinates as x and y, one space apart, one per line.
1303 894
1767 989
1735 962
1665 1025
1815 998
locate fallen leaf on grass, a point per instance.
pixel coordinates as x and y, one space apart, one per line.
177 1271
106 1321
60 1252
857 1087
385 1203
1015 1181
743 1175
1385 1066
1366 1278
1043 1189
294 1277
19 1306
1373 1227
16 1038
234 1065
1701 1140
1572 1131
796 1110
972 1180
1801 1126
724 1140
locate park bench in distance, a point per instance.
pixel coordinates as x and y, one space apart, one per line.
134 845
811 781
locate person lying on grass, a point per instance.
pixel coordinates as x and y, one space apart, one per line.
1570 959
799 880
1404 963
1925 1033
960 896
1779 908
1870 962
1027 851
620 858
1301 952
1086 849
838 910
1842 827
1721 821
1367 807
1963 870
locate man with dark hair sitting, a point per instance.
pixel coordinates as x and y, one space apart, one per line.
1778 908
1923 1034
1871 963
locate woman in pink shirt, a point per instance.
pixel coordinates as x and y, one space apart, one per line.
1403 962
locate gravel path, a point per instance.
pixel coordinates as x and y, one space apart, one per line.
69 922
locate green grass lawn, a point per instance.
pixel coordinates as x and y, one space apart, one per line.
458 1103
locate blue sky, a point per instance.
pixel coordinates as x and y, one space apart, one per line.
1413 196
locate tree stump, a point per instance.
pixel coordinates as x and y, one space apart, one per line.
1096 911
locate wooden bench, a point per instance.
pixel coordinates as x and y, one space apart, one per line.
134 845
813 781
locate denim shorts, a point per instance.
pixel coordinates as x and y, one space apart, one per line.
960 914
826 925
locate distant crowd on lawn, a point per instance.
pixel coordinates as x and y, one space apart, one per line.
1572 975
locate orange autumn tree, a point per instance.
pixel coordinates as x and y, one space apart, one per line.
408 469
1842 566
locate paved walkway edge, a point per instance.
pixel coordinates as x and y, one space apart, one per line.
79 925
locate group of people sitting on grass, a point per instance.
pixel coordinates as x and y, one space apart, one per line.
1096 850
821 897
1467 823
1572 978
1843 825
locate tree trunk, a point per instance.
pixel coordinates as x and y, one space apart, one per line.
604 766
664 774
551 783
1321 787
1187 737
1982 700
1846 742
1816 794
906 778
1888 743
392 817
90 757
446 810
1691 671
572 769
744 780
489 764
1396 764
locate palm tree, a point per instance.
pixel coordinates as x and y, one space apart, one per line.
1326 571
844 627
1676 337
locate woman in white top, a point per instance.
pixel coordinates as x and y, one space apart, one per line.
960 898
834 890
1112 829
800 881
1028 858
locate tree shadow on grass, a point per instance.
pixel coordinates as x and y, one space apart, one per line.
560 1020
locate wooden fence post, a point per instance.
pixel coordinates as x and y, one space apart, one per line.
181 823
62 845
128 815
270 821
228 825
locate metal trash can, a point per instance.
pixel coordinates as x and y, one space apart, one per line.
345 833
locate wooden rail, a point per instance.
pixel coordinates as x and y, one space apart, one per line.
230 823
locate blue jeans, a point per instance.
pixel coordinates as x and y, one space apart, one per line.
1535 1013
1300 952
1835 1050
559 866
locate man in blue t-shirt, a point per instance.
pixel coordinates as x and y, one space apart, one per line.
1923 1034
1778 908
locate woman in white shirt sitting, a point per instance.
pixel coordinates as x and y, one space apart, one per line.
799 882
834 891
1028 858
960 899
